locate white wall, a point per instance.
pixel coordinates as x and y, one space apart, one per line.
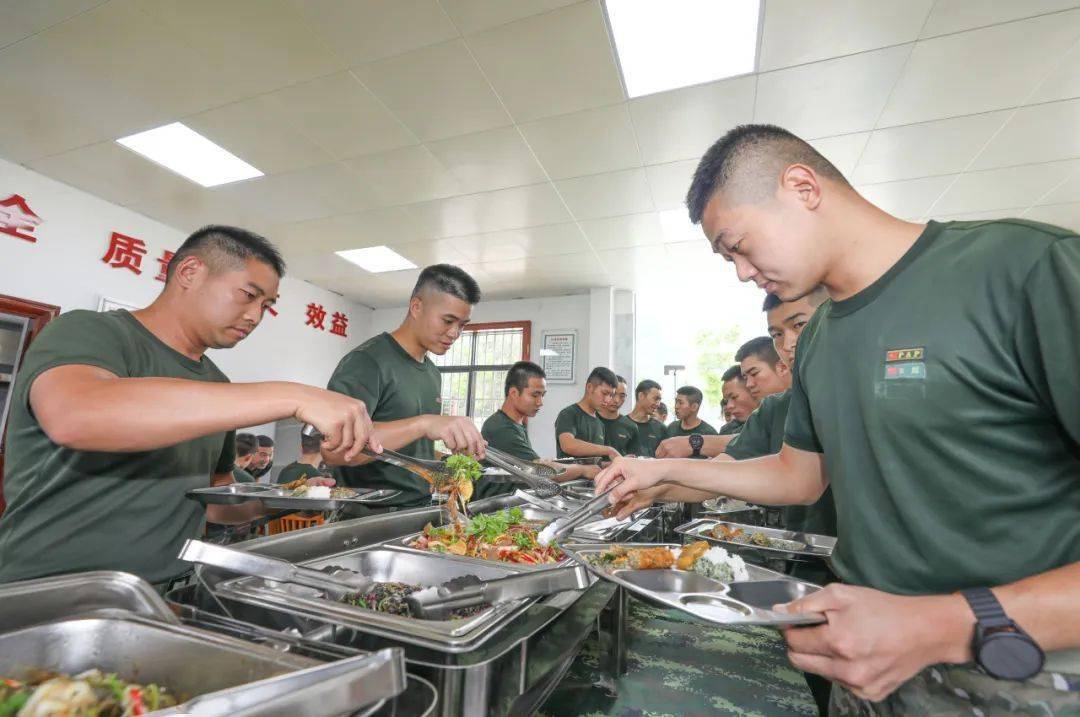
64 267
558 312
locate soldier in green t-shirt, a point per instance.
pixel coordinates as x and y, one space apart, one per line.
263 462
524 389
246 446
393 375
647 399
116 415
936 393
579 432
619 431
307 465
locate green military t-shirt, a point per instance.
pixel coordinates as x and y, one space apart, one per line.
944 397
394 386
650 434
508 436
72 511
621 434
675 429
580 425
295 471
731 428
242 476
763 435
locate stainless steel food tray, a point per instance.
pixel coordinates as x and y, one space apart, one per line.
746 602
277 498
799 546
93 594
386 565
217 675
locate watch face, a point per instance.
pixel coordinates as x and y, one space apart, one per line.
696 442
1010 656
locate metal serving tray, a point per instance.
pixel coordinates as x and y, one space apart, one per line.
746 602
210 671
277 498
794 546
386 565
94 594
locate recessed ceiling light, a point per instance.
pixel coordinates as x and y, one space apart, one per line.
676 43
377 259
186 152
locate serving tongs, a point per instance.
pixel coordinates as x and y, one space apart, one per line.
561 527
439 602
336 584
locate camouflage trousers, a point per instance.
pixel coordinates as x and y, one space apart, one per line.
954 690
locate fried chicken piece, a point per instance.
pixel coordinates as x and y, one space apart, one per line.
650 558
690 553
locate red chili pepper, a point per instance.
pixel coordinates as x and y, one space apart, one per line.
135 702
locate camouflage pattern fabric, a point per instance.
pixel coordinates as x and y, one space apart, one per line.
955 690
681 667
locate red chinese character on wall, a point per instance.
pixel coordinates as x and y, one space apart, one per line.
316 314
163 261
339 323
17 218
125 252
271 310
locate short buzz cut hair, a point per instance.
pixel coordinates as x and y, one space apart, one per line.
748 161
733 373
245 444
646 386
448 279
222 247
662 408
604 375
519 374
265 441
760 347
309 444
816 298
693 394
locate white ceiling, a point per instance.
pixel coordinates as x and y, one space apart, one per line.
496 134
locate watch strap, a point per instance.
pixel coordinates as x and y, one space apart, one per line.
987 609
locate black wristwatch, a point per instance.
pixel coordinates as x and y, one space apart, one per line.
696 442
1001 647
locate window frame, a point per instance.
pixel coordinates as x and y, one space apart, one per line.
473 368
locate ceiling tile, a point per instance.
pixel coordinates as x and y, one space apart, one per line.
189 209
253 45
551 64
1041 133
305 194
546 240
843 151
909 199
919 150
1063 82
493 211
670 182
55 96
364 30
494 247
23 19
626 231
437 91
831 97
969 72
342 116
475 15
1062 215
607 195
956 15
385 225
257 132
1066 191
631 265
797 32
406 175
586 142
683 123
1003 188
495 159
425 253
114 173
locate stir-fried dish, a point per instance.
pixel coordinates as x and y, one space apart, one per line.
323 492
503 536
738 535
712 562
456 483
89 694
390 598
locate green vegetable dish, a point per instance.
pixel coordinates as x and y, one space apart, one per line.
89 694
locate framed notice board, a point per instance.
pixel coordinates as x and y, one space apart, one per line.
558 355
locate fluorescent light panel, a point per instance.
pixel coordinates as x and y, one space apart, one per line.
186 152
377 259
675 43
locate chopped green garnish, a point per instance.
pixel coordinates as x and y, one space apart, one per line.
463 468
15 702
489 526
